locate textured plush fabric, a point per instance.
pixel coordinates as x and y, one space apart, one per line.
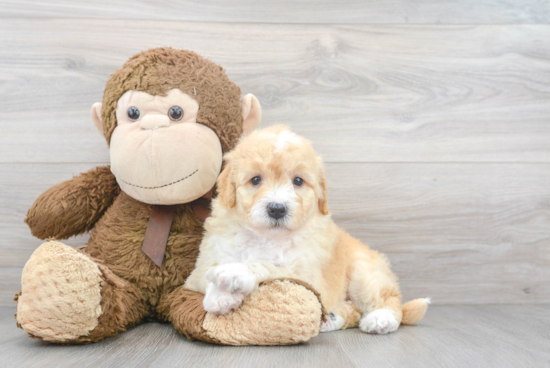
61 295
73 207
118 237
158 161
159 70
281 312
183 308
120 285
257 321
133 288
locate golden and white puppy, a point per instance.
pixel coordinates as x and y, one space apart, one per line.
271 220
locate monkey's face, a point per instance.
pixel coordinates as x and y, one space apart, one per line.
159 153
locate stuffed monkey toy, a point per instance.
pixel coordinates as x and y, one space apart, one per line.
168 117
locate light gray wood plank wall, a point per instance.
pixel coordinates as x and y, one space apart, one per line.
436 136
460 233
291 11
361 93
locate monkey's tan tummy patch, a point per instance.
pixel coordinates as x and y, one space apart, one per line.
60 295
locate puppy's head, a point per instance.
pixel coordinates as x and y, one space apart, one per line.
273 181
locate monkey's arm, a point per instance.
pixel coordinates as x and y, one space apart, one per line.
74 206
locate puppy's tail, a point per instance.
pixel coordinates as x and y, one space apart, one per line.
414 310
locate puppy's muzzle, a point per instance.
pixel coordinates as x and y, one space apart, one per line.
276 210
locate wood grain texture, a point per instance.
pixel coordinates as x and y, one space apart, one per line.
291 11
361 93
460 233
449 336
437 139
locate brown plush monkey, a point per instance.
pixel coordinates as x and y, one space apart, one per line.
168 116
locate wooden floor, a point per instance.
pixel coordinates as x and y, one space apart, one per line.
449 336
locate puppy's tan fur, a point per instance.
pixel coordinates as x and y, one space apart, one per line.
243 246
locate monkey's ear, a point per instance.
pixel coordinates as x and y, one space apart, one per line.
226 187
96 117
252 112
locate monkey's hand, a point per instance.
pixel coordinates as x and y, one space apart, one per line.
74 206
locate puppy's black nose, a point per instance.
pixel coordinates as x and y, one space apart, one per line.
276 210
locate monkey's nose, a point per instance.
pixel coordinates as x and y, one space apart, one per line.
276 210
154 121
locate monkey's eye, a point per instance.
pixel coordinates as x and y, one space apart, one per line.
133 113
298 181
256 180
175 113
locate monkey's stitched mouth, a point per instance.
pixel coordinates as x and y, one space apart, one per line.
162 186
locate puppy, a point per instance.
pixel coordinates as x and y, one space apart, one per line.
271 220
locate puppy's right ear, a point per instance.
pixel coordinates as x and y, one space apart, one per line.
323 195
226 187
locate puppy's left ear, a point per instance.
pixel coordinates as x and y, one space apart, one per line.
226 187
323 196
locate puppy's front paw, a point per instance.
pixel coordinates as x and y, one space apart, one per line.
379 321
219 301
233 278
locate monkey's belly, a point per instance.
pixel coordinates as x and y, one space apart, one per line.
117 239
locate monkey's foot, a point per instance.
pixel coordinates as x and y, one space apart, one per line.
60 295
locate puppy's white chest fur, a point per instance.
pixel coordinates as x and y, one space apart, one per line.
249 247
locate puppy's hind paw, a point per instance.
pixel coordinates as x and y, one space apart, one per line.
334 322
379 321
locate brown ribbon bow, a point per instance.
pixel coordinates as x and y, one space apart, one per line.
160 222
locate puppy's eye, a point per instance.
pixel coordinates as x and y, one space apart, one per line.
133 113
298 181
175 113
256 180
